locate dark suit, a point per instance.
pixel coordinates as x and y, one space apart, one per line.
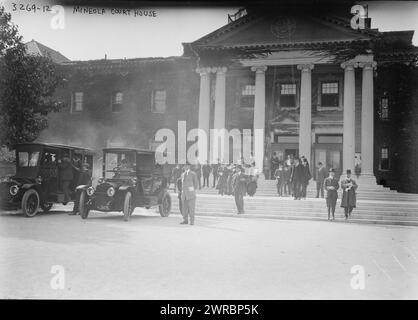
84 179
240 189
297 178
215 168
179 188
331 194
322 174
305 181
348 202
188 194
206 169
66 176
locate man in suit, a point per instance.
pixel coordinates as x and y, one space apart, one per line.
331 186
84 178
215 170
306 177
197 168
188 194
179 189
349 187
66 175
240 189
296 178
320 177
206 169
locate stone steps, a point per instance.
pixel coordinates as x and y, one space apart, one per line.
367 211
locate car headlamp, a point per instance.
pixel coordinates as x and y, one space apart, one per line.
5 179
111 192
100 181
90 191
14 190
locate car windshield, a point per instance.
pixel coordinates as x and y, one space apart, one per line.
120 165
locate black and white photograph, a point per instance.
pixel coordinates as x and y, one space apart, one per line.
244 151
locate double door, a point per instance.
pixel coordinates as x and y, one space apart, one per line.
330 155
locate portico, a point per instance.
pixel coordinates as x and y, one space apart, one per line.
307 128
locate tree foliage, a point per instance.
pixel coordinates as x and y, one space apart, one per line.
27 85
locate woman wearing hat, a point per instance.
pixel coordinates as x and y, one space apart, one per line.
349 187
331 186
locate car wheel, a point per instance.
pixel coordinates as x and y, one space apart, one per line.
127 206
165 206
30 203
82 205
46 206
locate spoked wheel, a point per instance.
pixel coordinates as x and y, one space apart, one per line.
165 206
127 206
46 206
82 205
30 203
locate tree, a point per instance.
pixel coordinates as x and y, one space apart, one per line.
27 86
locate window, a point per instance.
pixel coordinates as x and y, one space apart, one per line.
288 95
384 158
158 101
28 159
384 108
77 102
247 96
330 94
117 101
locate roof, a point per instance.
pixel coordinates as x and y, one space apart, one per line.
53 145
36 48
118 149
268 30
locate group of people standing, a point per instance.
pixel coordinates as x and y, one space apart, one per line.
187 184
292 176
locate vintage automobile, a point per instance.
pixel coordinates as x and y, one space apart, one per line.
36 183
131 178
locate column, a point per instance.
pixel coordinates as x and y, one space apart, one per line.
349 127
219 113
204 102
305 118
259 114
367 119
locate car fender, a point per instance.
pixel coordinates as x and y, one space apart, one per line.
27 186
125 188
82 187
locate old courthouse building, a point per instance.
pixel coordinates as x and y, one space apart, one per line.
309 81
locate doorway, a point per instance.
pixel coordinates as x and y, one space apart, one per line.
330 155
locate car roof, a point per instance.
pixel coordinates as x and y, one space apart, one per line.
54 145
128 150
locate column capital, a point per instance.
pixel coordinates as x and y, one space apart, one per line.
219 69
349 65
305 67
372 65
203 71
259 69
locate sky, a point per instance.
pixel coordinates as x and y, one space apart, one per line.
84 36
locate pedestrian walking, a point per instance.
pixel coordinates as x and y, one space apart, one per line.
348 201
320 177
215 169
287 186
189 184
84 179
223 176
296 178
197 168
306 177
280 178
180 189
331 186
240 189
206 170
66 176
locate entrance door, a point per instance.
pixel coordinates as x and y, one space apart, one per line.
330 155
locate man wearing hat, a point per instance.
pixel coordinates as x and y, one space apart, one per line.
84 178
189 184
349 187
331 186
239 188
